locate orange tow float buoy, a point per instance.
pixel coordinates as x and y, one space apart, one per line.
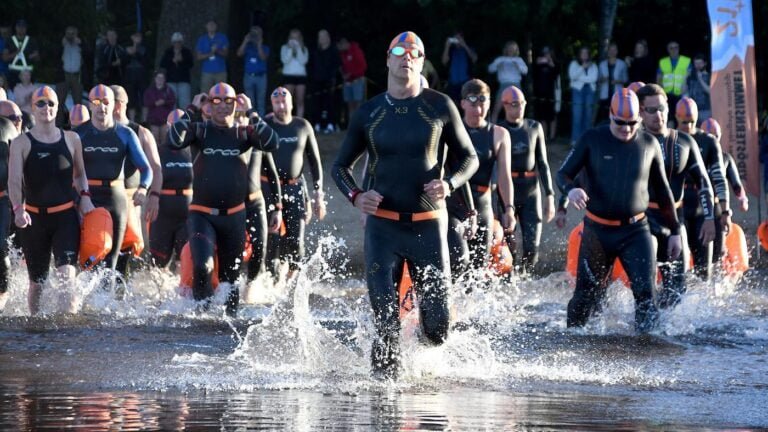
95 237
501 257
736 256
187 269
762 234
133 240
405 292
572 260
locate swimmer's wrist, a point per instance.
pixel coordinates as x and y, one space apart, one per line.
353 195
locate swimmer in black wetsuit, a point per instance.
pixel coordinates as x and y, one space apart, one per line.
10 111
168 232
687 113
132 178
620 164
217 217
8 132
491 143
106 146
682 160
297 141
405 132
530 169
256 207
45 163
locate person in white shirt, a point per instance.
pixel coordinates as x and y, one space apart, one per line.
294 56
583 75
613 75
509 69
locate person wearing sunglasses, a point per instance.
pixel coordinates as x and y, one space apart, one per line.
491 143
12 112
45 165
530 173
297 142
406 132
620 164
682 160
217 220
686 113
107 145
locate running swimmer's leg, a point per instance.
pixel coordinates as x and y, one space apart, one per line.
5 262
382 240
637 257
702 253
480 246
36 244
65 245
429 252
161 240
294 212
257 230
457 246
118 209
672 273
530 226
230 241
592 273
202 239
718 245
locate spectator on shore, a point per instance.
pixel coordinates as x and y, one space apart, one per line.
546 92
177 62
112 58
583 75
509 69
255 54
698 87
212 49
71 66
23 91
324 66
353 68
294 55
20 52
612 77
459 58
159 101
136 74
641 66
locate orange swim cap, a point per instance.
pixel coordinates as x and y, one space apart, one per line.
222 90
44 93
512 94
407 38
686 109
635 86
711 126
625 105
100 91
79 115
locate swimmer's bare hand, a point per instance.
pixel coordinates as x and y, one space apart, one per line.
86 205
368 202
707 233
22 219
549 208
245 101
578 198
275 220
744 203
560 219
674 246
437 189
152 209
508 220
725 222
318 204
199 99
139 196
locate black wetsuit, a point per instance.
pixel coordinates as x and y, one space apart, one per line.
7 131
257 210
682 159
734 180
617 177
711 155
104 155
132 181
220 185
405 140
297 141
475 251
168 233
529 169
48 183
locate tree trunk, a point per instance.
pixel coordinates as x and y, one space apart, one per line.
607 16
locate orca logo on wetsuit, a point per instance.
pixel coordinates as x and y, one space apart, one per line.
101 149
289 139
221 152
178 165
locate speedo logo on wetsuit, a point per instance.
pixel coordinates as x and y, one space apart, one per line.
90 149
221 152
178 165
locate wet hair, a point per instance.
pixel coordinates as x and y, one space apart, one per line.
649 90
474 86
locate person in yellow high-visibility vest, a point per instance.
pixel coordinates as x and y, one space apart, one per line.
673 72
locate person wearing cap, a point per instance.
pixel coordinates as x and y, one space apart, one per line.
255 54
732 178
686 113
178 61
133 176
79 115
107 145
44 166
406 132
492 145
619 165
259 210
297 142
682 160
168 232
19 52
530 172
216 220
212 49
8 131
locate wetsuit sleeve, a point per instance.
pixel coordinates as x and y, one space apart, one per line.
566 176
562 204
716 171
312 154
352 148
657 180
456 137
139 159
183 133
733 176
696 170
270 169
261 136
542 164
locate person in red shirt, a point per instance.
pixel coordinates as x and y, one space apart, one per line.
353 67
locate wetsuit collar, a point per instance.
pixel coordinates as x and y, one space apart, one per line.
392 100
515 125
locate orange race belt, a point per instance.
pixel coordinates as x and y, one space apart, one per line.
3 193
253 196
49 210
655 205
615 222
293 181
524 174
407 217
481 188
176 192
217 212
105 183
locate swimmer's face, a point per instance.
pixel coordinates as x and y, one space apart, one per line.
686 125
625 129
45 110
101 109
282 103
654 111
514 110
223 113
475 107
406 66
